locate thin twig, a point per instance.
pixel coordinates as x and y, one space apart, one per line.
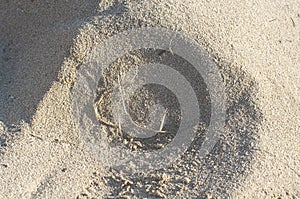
163 121
294 25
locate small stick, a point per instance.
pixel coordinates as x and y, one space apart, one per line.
294 25
163 121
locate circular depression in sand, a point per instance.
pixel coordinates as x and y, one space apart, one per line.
185 70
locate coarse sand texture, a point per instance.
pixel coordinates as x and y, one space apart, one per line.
46 49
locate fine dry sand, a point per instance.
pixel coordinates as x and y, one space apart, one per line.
256 45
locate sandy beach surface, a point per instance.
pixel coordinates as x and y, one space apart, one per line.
255 45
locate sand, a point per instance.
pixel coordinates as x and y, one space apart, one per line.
256 46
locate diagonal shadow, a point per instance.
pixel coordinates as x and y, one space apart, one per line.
35 37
